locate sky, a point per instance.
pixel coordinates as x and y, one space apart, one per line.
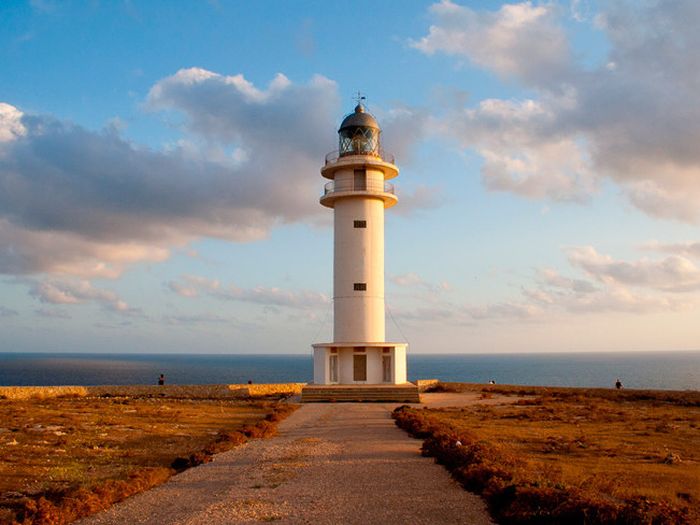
159 173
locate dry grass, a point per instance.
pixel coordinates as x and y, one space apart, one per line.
677 397
64 458
573 455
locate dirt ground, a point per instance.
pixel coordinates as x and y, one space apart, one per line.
331 463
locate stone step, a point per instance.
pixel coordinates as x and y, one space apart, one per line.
334 399
358 393
364 391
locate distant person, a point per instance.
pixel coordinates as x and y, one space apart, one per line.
161 379
492 382
618 383
250 381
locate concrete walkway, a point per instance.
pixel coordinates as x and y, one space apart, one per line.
331 464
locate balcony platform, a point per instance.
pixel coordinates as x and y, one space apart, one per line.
405 393
383 162
332 195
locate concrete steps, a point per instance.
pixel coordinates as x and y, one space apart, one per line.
406 393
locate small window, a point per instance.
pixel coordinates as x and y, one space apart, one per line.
360 287
360 224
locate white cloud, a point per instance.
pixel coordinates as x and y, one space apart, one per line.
407 279
402 128
10 123
610 286
504 310
27 251
54 291
193 286
621 299
685 249
520 153
423 314
89 203
580 10
520 40
674 273
553 278
557 293
636 122
183 290
421 198
413 280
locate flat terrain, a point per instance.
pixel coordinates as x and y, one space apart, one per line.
537 455
606 446
330 464
54 446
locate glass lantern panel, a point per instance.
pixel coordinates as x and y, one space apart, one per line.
359 141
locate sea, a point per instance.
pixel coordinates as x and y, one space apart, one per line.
672 370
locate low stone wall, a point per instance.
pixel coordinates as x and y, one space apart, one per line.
267 389
41 392
172 391
424 384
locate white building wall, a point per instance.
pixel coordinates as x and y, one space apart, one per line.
346 365
399 364
374 365
321 366
358 316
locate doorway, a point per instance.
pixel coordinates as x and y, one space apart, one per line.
359 367
386 368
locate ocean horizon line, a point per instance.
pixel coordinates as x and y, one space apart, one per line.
669 369
304 354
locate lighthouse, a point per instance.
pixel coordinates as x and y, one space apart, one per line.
359 192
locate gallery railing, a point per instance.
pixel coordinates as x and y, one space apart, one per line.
366 186
333 156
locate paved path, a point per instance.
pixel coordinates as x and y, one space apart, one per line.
331 464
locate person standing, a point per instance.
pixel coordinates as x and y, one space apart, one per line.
161 379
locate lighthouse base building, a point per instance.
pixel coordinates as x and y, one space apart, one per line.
354 372
359 364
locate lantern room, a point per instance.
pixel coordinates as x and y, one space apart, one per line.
359 134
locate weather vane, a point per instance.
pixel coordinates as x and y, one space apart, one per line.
360 97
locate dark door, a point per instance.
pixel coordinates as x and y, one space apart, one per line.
359 367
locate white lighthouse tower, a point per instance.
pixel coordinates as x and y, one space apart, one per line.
358 193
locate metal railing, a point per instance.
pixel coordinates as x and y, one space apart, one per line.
334 156
365 186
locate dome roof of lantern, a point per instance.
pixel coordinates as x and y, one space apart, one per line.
359 118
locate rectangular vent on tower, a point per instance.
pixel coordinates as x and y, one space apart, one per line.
360 287
360 180
360 224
